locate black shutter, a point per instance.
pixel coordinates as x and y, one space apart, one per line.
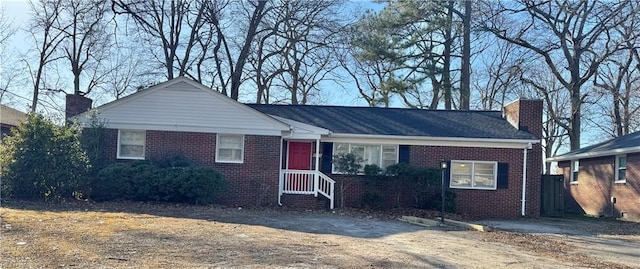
404 154
503 176
327 157
285 155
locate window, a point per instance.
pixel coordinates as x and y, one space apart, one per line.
621 169
229 148
131 144
575 169
380 155
474 175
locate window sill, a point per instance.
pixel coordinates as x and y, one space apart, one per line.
238 162
574 182
473 188
620 182
129 158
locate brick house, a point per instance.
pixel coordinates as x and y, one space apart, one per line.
282 153
9 119
600 174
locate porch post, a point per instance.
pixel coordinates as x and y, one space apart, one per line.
315 175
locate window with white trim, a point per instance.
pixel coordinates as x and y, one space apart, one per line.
229 148
131 144
575 170
380 155
621 169
474 175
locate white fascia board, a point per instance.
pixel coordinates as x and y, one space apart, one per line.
197 129
595 154
298 136
430 141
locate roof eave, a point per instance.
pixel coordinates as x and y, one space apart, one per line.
594 154
436 141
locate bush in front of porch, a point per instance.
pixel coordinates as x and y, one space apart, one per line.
347 164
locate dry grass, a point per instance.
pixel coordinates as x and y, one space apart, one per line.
138 235
38 238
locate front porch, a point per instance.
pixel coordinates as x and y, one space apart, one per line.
306 182
300 162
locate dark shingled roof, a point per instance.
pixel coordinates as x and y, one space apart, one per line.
400 121
619 143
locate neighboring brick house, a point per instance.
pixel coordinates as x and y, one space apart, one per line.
598 174
282 153
9 119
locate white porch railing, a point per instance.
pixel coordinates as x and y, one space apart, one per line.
306 182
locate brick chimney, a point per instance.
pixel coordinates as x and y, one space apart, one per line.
525 114
75 105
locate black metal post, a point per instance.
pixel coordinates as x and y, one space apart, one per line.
443 168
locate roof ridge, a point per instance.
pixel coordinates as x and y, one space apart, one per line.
369 107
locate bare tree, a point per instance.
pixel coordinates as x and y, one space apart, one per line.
47 33
498 74
572 38
176 27
85 41
254 20
7 74
537 83
300 52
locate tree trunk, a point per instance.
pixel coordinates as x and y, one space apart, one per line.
244 53
446 66
465 73
574 131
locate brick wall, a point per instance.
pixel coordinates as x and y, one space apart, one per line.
500 203
252 183
595 187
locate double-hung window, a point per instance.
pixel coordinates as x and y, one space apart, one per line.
575 170
229 148
131 144
474 175
380 155
621 169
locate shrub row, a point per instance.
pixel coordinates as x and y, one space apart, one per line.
422 185
145 181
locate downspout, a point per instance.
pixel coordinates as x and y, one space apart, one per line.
280 174
524 178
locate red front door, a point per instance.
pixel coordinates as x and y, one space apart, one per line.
299 156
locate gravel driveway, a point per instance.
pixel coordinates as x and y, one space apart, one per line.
138 235
596 238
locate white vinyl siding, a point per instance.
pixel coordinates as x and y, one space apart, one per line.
621 169
474 175
575 170
187 107
380 155
131 144
229 148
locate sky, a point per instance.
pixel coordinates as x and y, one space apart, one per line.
17 12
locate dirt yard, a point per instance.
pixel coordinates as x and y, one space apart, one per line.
138 235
